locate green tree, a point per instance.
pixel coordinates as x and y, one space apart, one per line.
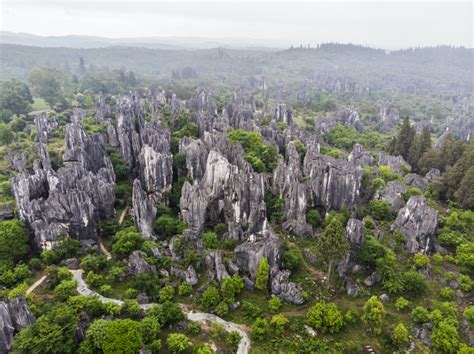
65 289
210 240
400 335
166 293
465 254
464 195
380 210
278 324
259 329
263 274
150 329
13 241
374 314
405 138
178 343
274 304
117 336
445 336
325 317
53 332
313 217
210 298
332 245
48 83
231 287
425 139
469 315
292 258
126 241
233 340
15 99
167 226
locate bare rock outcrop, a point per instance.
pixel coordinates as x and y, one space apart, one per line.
333 183
71 200
288 182
396 163
360 156
417 221
14 316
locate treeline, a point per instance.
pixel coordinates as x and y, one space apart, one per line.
454 159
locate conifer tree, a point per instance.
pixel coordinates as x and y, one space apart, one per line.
332 245
405 138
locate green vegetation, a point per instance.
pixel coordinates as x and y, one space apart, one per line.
261 156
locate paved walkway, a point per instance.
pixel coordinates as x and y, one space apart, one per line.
244 344
36 284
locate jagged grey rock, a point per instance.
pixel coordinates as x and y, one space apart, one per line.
288 182
144 210
285 289
392 193
355 237
14 316
415 180
417 221
214 263
137 263
189 275
333 183
71 200
360 156
396 163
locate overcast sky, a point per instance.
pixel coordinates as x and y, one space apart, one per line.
384 24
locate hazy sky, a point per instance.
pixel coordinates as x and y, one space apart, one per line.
385 24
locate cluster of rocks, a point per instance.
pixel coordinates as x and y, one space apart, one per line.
71 200
14 316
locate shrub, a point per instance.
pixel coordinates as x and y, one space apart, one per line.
465 283
150 329
447 293
401 303
278 324
292 258
210 298
374 314
437 258
380 210
94 280
420 260
126 241
251 310
222 309
469 315
259 329
400 335
445 336
262 275
325 317
263 157
13 241
105 290
413 283
166 293
184 289
419 314
233 340
210 240
194 328
65 289
231 287
178 343
167 226
313 217
274 304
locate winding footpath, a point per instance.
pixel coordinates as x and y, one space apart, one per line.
244 344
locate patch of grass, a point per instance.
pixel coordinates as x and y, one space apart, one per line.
39 104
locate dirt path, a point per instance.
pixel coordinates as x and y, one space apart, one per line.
122 216
104 250
36 284
244 344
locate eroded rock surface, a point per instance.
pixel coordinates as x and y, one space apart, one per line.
417 221
14 316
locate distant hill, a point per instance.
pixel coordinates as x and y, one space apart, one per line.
332 67
75 41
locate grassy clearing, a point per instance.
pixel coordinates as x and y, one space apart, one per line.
39 104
